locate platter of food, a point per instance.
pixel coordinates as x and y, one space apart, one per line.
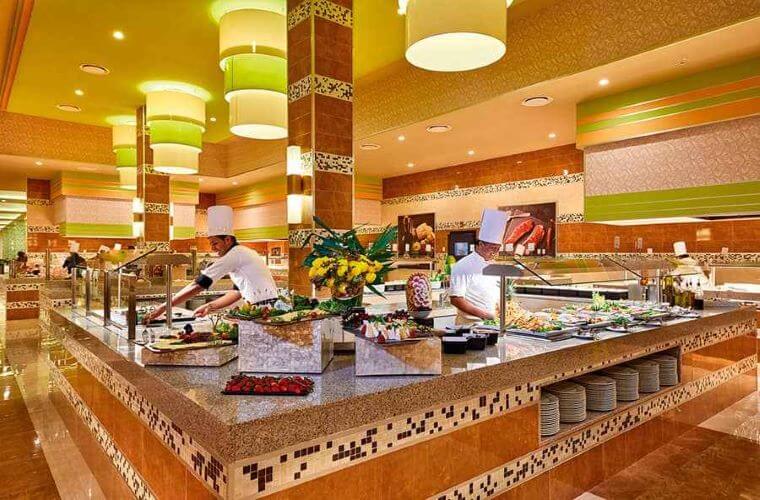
250 385
221 334
285 311
389 329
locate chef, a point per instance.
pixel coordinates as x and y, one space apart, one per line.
688 268
248 271
473 294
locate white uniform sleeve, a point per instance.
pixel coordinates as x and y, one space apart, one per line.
459 282
216 271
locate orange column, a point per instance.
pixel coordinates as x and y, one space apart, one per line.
320 113
152 189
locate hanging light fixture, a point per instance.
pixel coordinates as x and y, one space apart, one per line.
252 54
125 148
176 119
455 35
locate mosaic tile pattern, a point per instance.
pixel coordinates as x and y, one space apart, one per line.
161 246
369 229
133 480
156 208
299 14
328 162
297 237
331 87
702 258
528 466
43 229
454 225
206 467
490 188
26 304
568 218
300 89
284 468
333 12
22 287
38 202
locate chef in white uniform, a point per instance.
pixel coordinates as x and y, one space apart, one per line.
248 271
474 295
688 268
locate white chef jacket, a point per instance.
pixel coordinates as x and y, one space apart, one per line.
247 270
468 281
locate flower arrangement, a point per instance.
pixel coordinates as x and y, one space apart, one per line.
338 261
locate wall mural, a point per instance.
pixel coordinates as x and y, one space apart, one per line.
532 229
416 235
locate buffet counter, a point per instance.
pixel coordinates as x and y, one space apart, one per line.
471 432
22 295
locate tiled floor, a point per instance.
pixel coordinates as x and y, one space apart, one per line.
38 457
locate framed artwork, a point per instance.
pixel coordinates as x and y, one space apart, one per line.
531 230
416 235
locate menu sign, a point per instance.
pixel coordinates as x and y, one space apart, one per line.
531 230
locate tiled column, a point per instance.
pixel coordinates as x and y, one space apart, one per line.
320 111
152 189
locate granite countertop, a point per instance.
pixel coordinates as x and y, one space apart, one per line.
237 427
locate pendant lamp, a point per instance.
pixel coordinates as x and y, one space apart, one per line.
455 35
124 140
176 121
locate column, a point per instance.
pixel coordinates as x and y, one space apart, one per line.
320 112
152 190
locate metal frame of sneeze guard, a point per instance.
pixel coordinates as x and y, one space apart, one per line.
503 271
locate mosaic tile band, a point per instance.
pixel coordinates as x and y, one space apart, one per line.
131 477
38 202
570 218
157 208
490 188
299 89
533 464
43 229
703 258
26 304
331 87
22 287
205 467
328 162
322 8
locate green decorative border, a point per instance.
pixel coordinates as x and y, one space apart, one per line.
84 230
262 233
738 198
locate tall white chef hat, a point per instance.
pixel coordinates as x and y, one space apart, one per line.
493 224
679 248
73 246
219 220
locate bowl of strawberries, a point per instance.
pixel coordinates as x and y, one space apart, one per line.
251 385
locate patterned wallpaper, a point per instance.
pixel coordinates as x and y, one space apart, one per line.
13 239
721 153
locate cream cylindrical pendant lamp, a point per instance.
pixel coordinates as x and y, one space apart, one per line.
455 35
125 147
252 54
176 120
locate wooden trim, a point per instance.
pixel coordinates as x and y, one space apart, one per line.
18 35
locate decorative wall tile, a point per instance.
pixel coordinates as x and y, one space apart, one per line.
300 89
131 477
38 202
331 87
42 229
333 12
156 208
491 188
456 225
569 218
26 304
555 453
22 287
703 258
160 246
328 162
299 14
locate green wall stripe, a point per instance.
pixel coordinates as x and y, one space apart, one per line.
84 230
184 233
670 110
261 233
705 79
743 197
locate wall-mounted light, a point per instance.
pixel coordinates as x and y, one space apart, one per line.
138 221
299 185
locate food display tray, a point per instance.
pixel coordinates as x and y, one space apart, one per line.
552 336
309 388
191 347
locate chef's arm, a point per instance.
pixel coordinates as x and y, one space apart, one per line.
468 307
225 300
180 297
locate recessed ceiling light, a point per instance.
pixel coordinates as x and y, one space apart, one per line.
79 92
438 129
94 69
401 138
3 201
234 183
119 35
683 61
410 164
604 82
69 107
552 135
565 172
471 152
200 179
212 119
38 163
519 162
537 101
369 146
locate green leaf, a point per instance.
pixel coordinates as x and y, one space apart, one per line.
375 290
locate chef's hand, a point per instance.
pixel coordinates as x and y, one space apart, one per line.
155 313
203 310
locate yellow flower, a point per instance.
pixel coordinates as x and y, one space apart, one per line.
341 270
329 283
342 262
371 278
377 267
342 288
312 272
321 271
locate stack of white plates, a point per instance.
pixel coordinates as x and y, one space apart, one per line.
649 374
600 392
572 401
668 368
549 414
626 382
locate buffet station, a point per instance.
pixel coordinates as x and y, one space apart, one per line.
255 401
